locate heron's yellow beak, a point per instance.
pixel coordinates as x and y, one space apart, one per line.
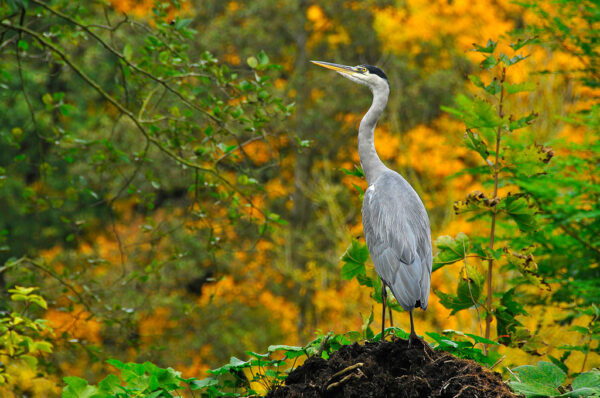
349 70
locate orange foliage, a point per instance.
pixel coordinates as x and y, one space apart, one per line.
79 324
143 8
419 23
322 27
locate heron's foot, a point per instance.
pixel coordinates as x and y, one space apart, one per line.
413 338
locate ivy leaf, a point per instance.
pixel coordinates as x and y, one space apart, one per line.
450 250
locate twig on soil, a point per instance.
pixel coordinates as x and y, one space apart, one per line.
458 394
358 375
346 370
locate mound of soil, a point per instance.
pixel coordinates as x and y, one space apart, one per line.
391 369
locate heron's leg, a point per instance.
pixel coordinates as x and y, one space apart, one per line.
383 300
391 319
413 335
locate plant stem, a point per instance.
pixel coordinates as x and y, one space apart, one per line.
490 274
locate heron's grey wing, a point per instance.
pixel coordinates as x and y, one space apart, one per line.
398 235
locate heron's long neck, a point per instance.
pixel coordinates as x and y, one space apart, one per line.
371 164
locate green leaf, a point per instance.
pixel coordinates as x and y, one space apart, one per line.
116 363
351 269
357 172
22 290
252 62
468 292
450 250
256 355
513 88
585 384
528 161
283 347
476 80
522 210
494 87
110 384
163 57
479 339
263 59
182 23
522 122
354 260
488 49
507 61
475 142
79 388
42 346
23 45
540 380
200 384
476 113
521 43
127 52
524 262
506 313
489 62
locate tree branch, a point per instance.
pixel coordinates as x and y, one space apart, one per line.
129 63
138 123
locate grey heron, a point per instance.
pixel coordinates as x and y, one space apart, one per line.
395 222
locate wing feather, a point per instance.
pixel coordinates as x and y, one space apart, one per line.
398 235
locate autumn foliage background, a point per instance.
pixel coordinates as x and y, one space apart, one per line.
142 257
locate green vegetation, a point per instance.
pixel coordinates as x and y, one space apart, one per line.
173 175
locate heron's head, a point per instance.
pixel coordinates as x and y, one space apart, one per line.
367 75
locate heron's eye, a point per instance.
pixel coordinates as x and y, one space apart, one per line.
363 70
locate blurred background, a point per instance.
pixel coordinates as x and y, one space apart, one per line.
143 256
